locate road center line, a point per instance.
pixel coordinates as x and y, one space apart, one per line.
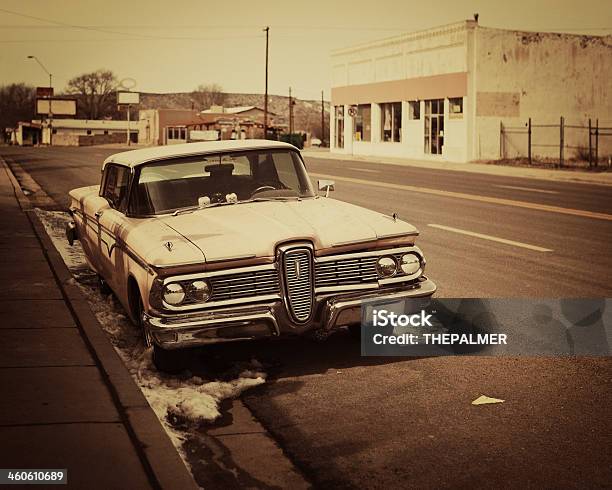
472 197
529 189
491 238
364 170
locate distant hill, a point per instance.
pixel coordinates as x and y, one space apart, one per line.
306 113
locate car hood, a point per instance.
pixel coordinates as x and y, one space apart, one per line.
255 229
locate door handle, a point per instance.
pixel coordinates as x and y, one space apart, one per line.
97 214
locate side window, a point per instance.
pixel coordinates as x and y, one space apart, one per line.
116 185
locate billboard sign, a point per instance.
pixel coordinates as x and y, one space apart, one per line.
125 98
44 92
61 107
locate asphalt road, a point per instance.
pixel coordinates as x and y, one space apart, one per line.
349 421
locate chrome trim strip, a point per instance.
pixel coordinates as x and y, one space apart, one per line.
370 240
232 257
397 235
348 287
396 279
223 272
88 221
354 255
178 264
210 321
227 302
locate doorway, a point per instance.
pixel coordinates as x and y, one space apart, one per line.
434 126
339 129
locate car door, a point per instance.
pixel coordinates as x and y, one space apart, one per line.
111 220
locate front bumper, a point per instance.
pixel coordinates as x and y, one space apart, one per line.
270 320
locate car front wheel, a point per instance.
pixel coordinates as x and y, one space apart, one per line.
167 361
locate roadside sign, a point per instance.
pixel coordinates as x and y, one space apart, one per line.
61 107
128 98
44 92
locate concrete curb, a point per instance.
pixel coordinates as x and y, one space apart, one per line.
566 176
157 453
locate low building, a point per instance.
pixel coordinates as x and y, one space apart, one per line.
86 132
172 126
447 93
26 134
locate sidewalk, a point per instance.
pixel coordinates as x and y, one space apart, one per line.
574 176
67 400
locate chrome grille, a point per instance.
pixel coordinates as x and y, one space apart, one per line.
346 272
244 285
297 264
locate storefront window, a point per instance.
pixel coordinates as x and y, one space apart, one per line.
363 123
414 112
455 107
391 122
339 127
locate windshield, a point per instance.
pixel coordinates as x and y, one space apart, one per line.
204 180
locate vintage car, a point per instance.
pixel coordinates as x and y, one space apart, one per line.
225 241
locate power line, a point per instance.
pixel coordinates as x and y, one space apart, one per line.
64 24
132 37
105 40
236 26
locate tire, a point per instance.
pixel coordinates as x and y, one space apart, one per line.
144 333
168 361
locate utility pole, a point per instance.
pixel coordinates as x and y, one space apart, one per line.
50 112
128 124
322 120
267 29
290 113
50 97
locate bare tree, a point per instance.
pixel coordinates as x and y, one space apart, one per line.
205 96
96 93
16 104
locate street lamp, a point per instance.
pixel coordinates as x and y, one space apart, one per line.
31 57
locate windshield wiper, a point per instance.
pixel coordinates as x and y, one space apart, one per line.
191 209
277 198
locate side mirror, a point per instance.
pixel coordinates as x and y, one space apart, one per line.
327 186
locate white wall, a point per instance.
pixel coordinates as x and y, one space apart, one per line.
431 52
543 76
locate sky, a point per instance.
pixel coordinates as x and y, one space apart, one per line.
174 46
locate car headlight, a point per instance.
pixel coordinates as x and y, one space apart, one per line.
199 291
174 294
410 264
386 266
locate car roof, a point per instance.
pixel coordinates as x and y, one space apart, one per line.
134 158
